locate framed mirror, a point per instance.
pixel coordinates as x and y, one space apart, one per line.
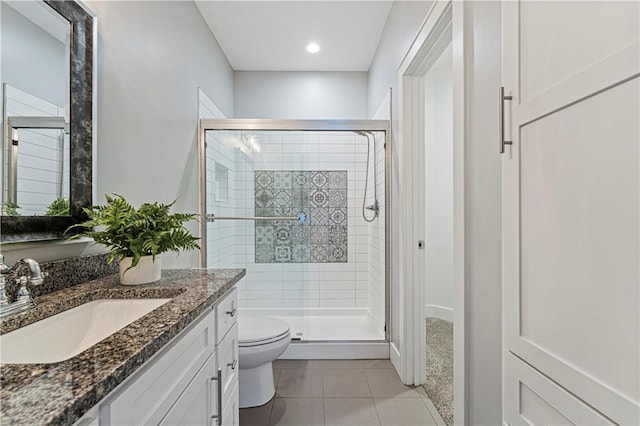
47 81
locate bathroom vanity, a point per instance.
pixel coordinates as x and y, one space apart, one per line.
178 364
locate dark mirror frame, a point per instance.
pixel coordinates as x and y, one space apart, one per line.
35 228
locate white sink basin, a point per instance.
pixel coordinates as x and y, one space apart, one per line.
68 333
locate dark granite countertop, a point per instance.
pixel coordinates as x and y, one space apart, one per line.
62 392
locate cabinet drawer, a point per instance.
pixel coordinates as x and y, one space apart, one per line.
228 362
231 411
194 405
531 398
146 396
227 313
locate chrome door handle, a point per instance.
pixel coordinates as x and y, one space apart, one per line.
501 119
233 364
219 380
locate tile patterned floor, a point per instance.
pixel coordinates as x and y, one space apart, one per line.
341 393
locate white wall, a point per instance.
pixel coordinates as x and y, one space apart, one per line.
153 56
310 95
32 59
403 24
439 188
483 217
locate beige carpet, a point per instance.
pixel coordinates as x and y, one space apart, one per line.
439 384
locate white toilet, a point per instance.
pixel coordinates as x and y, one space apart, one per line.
261 340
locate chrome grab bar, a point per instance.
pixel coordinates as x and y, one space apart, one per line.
213 218
301 218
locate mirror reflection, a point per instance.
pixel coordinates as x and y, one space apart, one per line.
35 81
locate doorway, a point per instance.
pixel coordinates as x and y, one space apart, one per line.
433 235
438 247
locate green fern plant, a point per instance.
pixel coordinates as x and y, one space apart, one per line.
10 209
147 231
60 207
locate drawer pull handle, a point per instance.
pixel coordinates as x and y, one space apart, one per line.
233 364
232 313
219 380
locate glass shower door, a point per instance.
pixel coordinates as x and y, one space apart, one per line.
297 197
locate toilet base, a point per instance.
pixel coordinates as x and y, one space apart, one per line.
256 385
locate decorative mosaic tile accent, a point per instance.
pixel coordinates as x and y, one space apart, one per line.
322 196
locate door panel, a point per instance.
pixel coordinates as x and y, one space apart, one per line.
579 243
536 400
571 205
555 45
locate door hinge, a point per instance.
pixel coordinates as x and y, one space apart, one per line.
421 245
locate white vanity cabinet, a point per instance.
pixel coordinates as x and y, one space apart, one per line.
193 380
227 361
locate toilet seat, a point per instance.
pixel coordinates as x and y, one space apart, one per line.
258 331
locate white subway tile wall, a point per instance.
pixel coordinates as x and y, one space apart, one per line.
43 155
377 236
376 253
220 235
306 285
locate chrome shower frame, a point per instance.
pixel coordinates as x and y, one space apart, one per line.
301 125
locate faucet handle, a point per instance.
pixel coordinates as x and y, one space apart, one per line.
4 269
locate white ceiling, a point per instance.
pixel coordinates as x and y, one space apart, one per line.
273 35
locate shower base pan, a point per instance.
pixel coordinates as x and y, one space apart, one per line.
329 333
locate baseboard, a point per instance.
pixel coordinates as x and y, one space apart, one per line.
394 356
336 350
441 312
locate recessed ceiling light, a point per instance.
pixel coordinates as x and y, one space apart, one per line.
313 48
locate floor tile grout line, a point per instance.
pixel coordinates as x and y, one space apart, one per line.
373 401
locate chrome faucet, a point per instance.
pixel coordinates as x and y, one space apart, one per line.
15 288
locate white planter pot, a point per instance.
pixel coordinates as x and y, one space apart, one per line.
146 271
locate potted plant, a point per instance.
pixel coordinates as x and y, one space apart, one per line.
137 237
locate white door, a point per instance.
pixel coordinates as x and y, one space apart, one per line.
571 206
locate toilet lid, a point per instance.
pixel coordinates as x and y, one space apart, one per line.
257 329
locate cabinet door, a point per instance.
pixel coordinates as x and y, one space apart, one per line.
571 186
533 399
227 353
147 395
226 314
231 412
193 408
